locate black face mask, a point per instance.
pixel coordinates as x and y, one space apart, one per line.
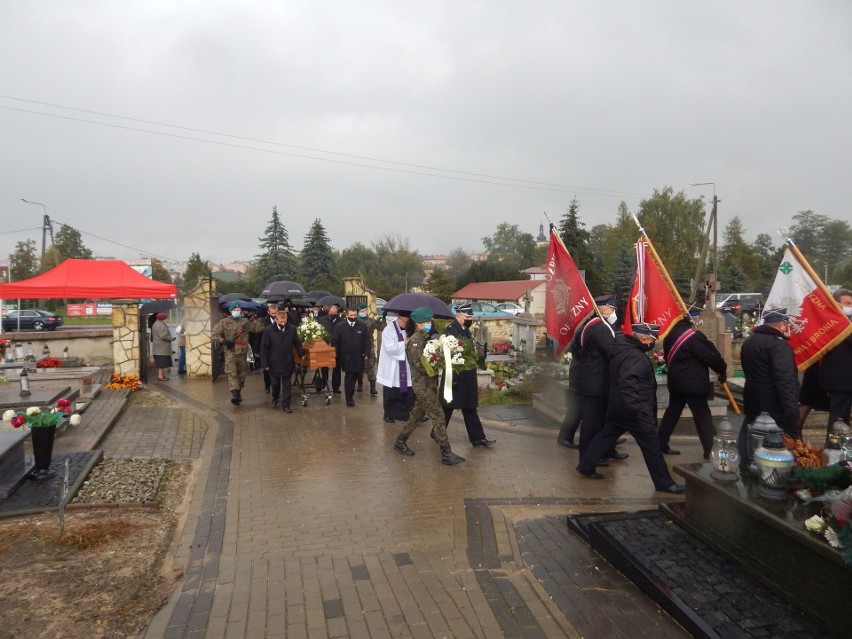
467 323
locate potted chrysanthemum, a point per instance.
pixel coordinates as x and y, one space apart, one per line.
42 424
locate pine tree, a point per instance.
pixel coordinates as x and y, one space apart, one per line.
277 261
317 267
576 239
623 272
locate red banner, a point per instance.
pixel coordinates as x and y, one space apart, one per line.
651 300
816 321
568 301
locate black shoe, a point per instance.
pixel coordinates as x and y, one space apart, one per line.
373 390
670 451
590 475
388 420
603 462
350 404
274 402
620 440
618 456
287 409
674 489
484 443
235 397
567 443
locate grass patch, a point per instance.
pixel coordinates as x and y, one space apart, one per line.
86 321
515 394
98 533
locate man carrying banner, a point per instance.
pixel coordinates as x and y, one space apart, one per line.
771 380
688 355
836 369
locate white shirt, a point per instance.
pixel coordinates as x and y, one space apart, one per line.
391 357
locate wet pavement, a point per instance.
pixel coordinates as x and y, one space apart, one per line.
310 525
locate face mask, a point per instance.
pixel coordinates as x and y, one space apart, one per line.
362 315
235 314
612 318
467 323
427 326
848 311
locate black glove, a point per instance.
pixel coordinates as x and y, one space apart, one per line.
722 377
229 344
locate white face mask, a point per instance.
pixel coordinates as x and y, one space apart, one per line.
848 311
612 318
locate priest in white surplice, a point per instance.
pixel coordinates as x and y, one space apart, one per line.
393 372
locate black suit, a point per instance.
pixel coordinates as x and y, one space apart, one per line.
590 360
276 348
269 320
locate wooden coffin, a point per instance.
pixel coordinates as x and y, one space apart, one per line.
317 355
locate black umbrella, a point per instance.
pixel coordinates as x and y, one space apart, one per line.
410 301
157 306
330 300
282 289
227 298
314 296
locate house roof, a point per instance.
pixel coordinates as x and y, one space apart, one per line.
508 291
91 279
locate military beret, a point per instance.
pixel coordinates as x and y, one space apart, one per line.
233 305
652 330
776 315
361 307
465 309
422 314
605 300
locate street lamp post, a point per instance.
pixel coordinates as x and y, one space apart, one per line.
45 227
711 223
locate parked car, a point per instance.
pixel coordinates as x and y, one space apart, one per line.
510 307
482 309
380 305
31 319
739 302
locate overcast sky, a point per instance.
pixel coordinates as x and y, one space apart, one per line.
346 111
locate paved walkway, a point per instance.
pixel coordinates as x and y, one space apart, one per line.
310 525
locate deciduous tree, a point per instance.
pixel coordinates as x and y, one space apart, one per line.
196 268
69 243
23 261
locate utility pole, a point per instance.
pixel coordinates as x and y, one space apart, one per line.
46 227
712 223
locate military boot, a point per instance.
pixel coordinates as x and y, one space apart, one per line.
448 457
235 397
401 447
373 390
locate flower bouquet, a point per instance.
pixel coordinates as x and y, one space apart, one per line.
309 330
658 361
118 381
831 485
49 362
461 354
35 417
3 346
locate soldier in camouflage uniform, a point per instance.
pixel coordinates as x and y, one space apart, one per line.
426 391
233 332
373 324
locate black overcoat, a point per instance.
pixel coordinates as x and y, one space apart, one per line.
276 349
632 384
835 371
590 353
687 370
771 379
465 391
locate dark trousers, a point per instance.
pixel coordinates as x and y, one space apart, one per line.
646 437
349 380
839 407
267 380
282 383
592 414
472 423
700 413
335 377
571 421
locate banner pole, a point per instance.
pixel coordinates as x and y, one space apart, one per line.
731 399
565 248
661 267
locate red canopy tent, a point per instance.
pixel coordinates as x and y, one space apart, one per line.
91 279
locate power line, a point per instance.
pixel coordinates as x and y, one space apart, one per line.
487 179
132 248
34 228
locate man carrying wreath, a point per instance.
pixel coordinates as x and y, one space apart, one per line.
425 390
465 391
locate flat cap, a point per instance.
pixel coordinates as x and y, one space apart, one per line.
644 328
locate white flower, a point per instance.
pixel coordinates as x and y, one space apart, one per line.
803 494
33 410
815 524
76 419
8 415
831 538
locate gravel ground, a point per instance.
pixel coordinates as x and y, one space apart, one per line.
133 481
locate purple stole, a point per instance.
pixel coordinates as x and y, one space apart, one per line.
403 376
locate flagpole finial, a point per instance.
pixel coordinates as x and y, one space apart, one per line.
638 223
784 232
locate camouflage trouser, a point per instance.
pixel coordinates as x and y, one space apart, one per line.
235 368
426 403
370 368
